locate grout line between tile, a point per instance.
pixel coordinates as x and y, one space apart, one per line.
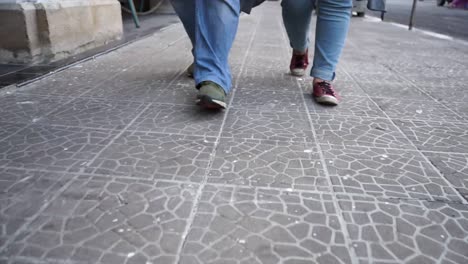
76 175
339 212
198 196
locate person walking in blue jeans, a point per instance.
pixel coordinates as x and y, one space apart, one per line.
333 17
211 26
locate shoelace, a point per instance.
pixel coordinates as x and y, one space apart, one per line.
326 88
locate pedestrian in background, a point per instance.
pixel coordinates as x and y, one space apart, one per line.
333 18
459 4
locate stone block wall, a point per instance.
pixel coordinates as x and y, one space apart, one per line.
48 30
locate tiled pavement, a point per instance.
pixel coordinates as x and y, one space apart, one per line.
110 162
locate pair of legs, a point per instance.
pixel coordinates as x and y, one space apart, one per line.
333 19
211 26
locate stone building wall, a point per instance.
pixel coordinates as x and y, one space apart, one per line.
47 30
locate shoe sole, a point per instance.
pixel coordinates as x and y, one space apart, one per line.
209 103
298 72
327 100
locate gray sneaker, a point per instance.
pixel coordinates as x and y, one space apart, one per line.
211 96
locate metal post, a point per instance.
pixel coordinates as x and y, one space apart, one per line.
134 13
413 10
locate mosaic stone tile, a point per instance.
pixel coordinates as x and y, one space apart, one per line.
28 109
358 131
267 163
283 126
67 83
346 88
460 109
105 220
266 49
255 78
8 129
157 89
53 148
155 156
453 94
246 225
406 231
392 173
95 113
187 120
186 95
363 77
417 110
128 90
369 71
451 81
351 106
436 136
454 167
393 90
263 100
22 195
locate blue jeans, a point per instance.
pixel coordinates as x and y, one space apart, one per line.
332 27
211 26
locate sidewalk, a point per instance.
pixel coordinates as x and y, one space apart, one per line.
110 161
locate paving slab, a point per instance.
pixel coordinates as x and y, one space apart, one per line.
406 231
53 148
267 163
244 225
154 156
105 220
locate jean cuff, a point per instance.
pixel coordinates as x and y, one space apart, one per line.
301 48
325 75
213 78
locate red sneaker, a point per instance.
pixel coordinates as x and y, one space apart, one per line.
325 94
299 63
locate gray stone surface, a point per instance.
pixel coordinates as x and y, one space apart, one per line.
386 172
267 163
403 231
155 156
97 218
246 225
54 148
110 161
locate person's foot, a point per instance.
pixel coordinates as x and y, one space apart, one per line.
299 63
190 70
211 96
325 94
